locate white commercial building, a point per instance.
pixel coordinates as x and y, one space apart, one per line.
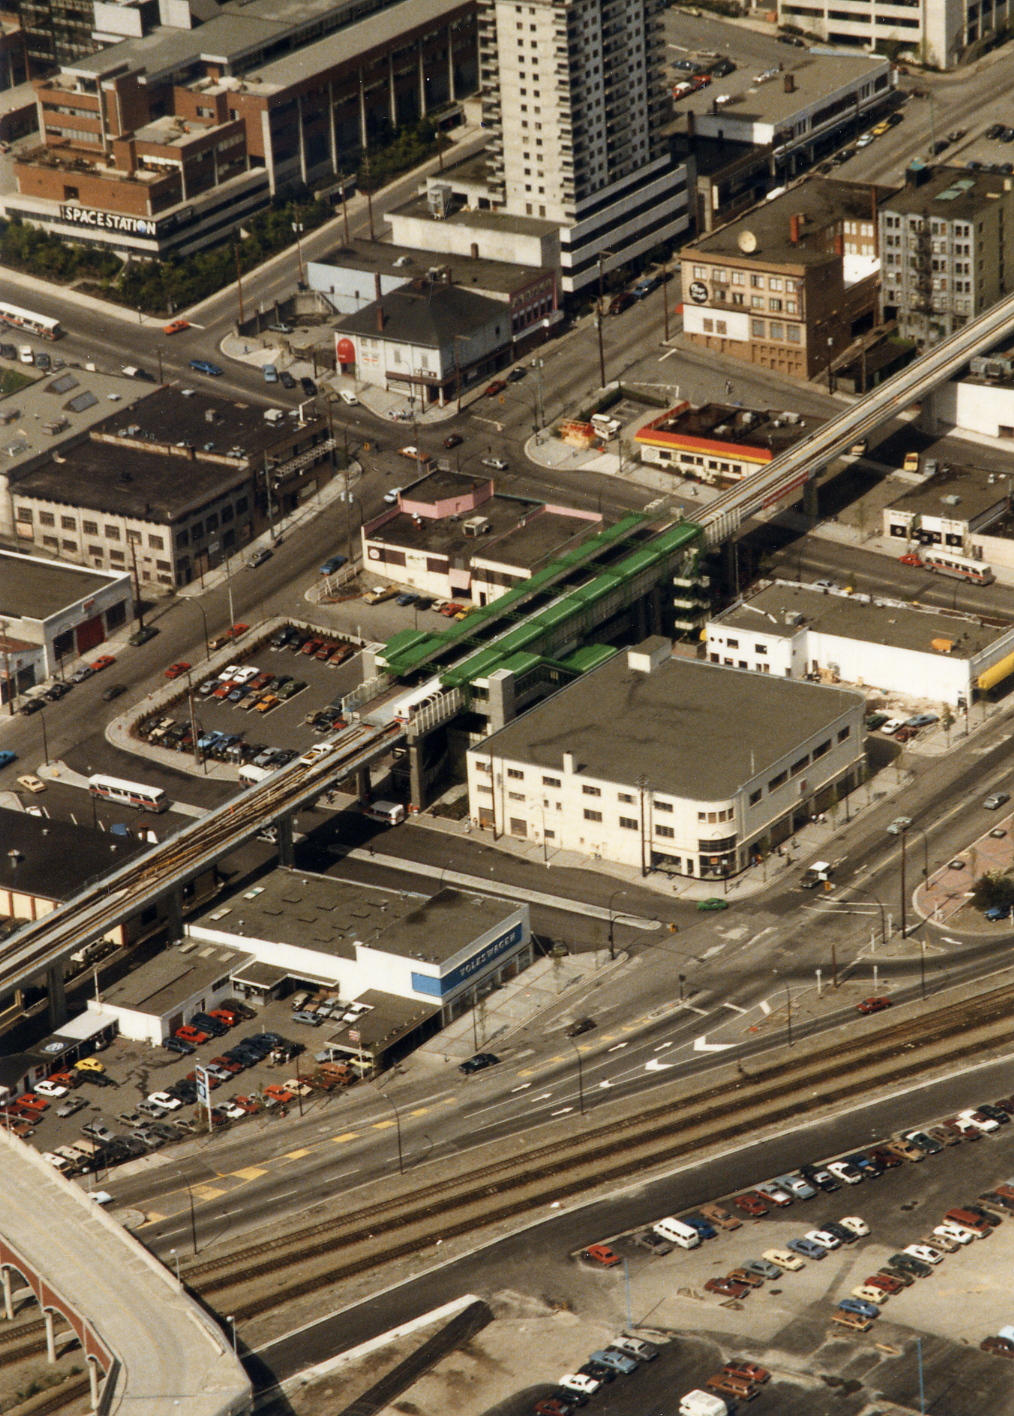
801 632
939 33
669 764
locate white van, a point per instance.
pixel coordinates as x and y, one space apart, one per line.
604 425
677 1232
390 812
249 775
703 1403
26 354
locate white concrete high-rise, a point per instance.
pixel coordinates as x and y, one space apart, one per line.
575 93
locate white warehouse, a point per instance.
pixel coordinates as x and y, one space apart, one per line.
799 632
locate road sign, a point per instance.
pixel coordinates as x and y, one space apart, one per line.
203 1088
354 1036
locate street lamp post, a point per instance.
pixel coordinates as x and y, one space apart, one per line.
45 741
176 1260
598 318
198 606
788 1014
232 1326
904 926
298 228
397 1127
612 921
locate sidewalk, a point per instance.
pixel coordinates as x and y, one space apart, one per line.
945 893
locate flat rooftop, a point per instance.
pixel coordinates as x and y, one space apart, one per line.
35 589
964 493
543 536
407 262
313 911
730 426
441 927
784 608
171 978
389 1019
695 730
483 220
445 535
758 94
823 203
950 193
58 410
55 859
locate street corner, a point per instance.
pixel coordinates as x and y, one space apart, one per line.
945 898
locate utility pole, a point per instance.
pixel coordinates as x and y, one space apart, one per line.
903 924
239 288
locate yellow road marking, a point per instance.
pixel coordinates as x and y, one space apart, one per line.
420 1111
252 1172
382 1125
207 1192
345 1136
296 1155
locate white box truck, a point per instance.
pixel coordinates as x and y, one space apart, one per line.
703 1403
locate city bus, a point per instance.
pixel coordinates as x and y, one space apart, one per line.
961 567
30 322
123 793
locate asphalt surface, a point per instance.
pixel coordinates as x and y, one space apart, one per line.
537 1260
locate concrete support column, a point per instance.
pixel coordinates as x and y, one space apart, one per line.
363 143
643 617
332 136
502 699
927 421
50 1336
422 82
392 97
363 789
811 499
57 996
730 567
657 618
286 847
5 1278
301 130
93 1382
416 785
174 914
452 92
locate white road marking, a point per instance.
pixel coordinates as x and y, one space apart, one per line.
663 1045
523 1087
715 949
544 1097
618 1046
562 1112
735 1007
701 1044
764 1006
657 1065
605 1084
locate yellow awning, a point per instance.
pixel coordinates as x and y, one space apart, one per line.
997 673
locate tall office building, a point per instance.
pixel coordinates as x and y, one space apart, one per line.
941 33
575 93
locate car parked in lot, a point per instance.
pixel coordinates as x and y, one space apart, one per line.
778 1197
718 1214
784 1259
808 1248
751 1203
873 1005
763 1268
842 1170
726 1288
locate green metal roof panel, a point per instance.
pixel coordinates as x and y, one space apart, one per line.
589 657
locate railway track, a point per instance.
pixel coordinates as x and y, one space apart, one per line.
379 1233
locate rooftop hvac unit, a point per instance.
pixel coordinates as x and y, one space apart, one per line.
477 526
439 199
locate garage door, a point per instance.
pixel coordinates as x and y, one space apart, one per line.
89 634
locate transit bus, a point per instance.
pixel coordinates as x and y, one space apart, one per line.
30 322
961 567
123 793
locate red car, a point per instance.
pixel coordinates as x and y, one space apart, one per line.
225 1015
497 386
455 440
725 1288
279 1093
873 1005
910 560
750 1370
884 1282
236 631
451 609
189 1034
104 661
175 326
602 1254
552 1406
174 670
311 646
751 1203
227 1064
247 1104
1000 1346
30 1102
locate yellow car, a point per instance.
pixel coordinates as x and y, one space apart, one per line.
268 702
881 129
88 1064
31 784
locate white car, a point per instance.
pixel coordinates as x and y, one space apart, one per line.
858 1226
891 726
865 140
245 674
784 1258
166 1100
869 1294
926 1252
234 1112
957 1232
50 1089
822 1237
57 1161
587 1386
981 1123
347 397
947 1242
841 1170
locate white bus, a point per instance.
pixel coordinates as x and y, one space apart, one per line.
961 567
29 321
128 793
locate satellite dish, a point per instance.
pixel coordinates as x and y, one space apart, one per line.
747 242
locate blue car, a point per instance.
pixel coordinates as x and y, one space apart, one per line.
704 1229
407 599
203 367
6 758
208 740
995 912
332 564
619 1361
860 1306
807 1248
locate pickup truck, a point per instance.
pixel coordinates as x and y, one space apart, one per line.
414 455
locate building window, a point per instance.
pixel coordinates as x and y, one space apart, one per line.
755 797
732 643
46 518
629 823
592 791
824 747
155 543
662 805
25 513
90 528
516 773
799 764
52 542
778 781
760 648
666 831
112 533
792 334
592 815
134 538
844 733
515 796
625 797
777 330
756 282
757 329
550 781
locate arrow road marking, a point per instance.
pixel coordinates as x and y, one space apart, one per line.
618 1046
657 1065
662 1045
701 1044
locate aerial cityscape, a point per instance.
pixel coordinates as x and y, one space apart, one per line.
506 624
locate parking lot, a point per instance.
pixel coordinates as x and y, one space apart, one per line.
133 1072
276 694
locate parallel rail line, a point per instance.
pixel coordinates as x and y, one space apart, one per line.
613 1151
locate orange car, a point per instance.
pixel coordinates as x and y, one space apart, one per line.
104 661
175 326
